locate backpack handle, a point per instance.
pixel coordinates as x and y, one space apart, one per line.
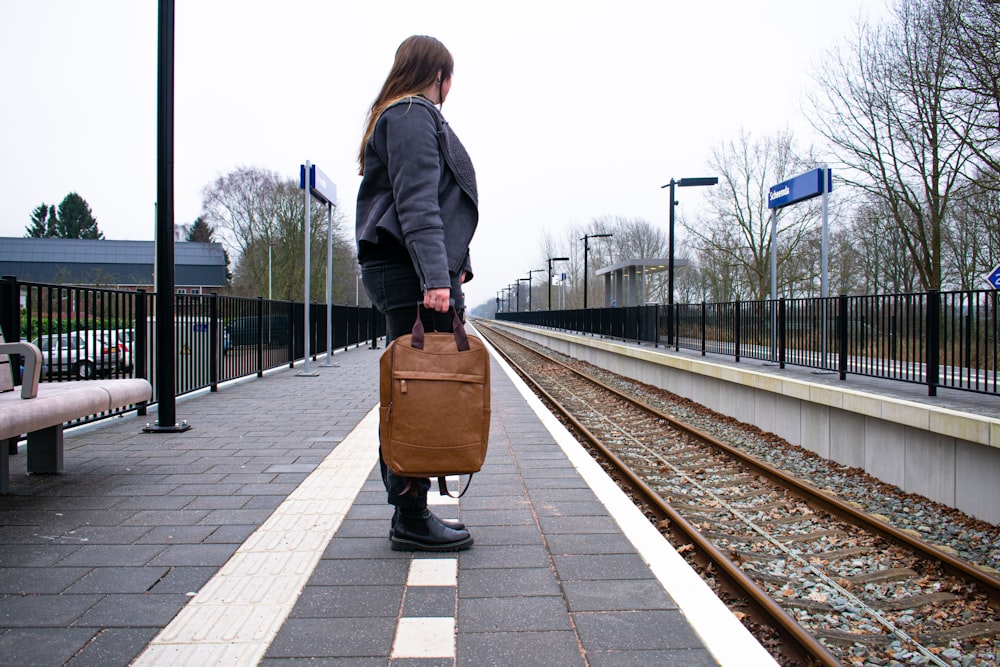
458 329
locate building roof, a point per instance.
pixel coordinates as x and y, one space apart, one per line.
105 262
654 265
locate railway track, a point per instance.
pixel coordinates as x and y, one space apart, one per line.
833 585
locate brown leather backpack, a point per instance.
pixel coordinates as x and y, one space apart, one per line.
434 402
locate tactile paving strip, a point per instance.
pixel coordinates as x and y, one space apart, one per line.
235 616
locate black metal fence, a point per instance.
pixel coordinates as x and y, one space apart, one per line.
89 333
939 339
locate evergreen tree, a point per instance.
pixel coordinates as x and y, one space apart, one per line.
43 222
75 219
201 231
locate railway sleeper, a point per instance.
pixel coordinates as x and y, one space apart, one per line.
755 538
842 638
965 632
880 576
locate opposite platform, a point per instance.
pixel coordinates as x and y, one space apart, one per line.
246 540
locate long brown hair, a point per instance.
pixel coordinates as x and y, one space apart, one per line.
419 60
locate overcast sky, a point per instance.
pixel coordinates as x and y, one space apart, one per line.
570 110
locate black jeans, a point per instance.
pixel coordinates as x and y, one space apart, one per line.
394 289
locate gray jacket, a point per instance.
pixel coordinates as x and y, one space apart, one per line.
418 191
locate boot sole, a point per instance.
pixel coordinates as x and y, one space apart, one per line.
401 544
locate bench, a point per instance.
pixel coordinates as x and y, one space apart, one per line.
41 410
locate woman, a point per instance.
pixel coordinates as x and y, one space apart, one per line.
417 212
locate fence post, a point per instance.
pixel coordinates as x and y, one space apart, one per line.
781 332
213 342
932 353
704 327
670 324
656 325
675 326
737 334
140 344
842 329
260 336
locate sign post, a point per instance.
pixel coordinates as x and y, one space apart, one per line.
315 183
815 183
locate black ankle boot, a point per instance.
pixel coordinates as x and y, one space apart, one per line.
419 530
454 524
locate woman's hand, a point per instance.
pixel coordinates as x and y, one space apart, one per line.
437 299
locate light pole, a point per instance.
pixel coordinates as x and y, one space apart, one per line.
682 183
586 248
519 281
553 259
529 285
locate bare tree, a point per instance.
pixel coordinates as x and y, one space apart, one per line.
977 23
890 107
262 220
735 235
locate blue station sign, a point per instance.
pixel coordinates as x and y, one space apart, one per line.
993 277
320 185
800 188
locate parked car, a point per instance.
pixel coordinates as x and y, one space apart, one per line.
121 339
243 330
80 354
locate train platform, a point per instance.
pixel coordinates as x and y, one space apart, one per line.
260 536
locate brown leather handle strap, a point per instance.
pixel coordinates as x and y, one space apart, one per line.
417 335
458 329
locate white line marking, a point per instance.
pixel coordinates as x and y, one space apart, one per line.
425 637
433 572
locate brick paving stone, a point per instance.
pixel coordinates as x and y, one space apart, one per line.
334 638
601 567
44 611
337 572
635 630
616 595
576 525
349 602
194 554
429 601
675 658
492 556
228 534
132 611
176 535
106 555
513 581
19 581
533 614
41 647
103 580
514 649
112 646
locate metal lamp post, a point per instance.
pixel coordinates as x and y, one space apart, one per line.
682 183
529 285
553 259
586 248
519 281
